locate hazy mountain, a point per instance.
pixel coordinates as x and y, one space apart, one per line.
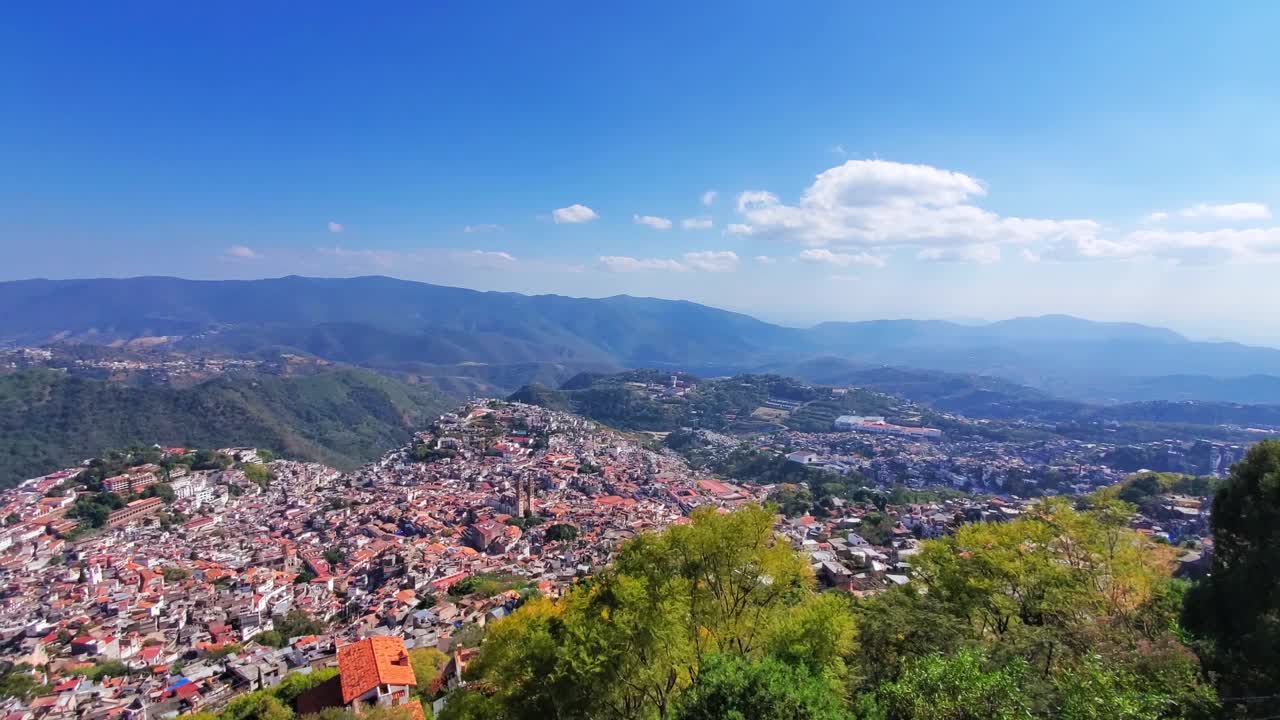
378 320
967 394
388 323
49 419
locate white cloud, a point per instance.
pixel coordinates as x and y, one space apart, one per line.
336 227
1245 245
241 251
698 223
573 214
765 260
653 221
1089 248
984 254
878 203
622 263
1228 211
717 261
823 255
838 149
502 257
862 209
481 228
712 260
709 197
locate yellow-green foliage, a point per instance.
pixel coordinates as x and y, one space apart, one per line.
626 642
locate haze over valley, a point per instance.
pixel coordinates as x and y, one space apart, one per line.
506 339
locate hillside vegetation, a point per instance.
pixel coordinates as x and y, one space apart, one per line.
637 400
1062 614
340 417
627 401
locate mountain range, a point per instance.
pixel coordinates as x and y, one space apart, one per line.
505 340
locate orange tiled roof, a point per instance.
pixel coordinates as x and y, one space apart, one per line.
371 662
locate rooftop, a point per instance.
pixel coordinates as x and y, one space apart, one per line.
372 662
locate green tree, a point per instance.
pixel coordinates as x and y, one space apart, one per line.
516 674
958 687
297 623
427 663
792 500
815 634
295 684
258 705
93 509
106 668
470 704
627 642
210 460
877 527
164 491
561 531
376 712
272 638
1045 585
734 688
18 682
899 626
1141 488
1094 692
258 474
469 635
1237 608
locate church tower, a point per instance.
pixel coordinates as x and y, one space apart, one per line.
528 498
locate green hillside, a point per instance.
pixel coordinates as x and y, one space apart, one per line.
341 417
724 404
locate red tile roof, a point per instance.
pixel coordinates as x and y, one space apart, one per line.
372 662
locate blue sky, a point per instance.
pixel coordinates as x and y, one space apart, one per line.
957 160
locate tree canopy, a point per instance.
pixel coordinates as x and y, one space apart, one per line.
1237 607
627 642
1062 613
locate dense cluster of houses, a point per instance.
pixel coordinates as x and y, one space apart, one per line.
148 617
228 584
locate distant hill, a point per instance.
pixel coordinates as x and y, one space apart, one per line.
341 417
519 339
379 321
982 396
966 394
638 400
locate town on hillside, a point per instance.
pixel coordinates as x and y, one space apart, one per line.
156 582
